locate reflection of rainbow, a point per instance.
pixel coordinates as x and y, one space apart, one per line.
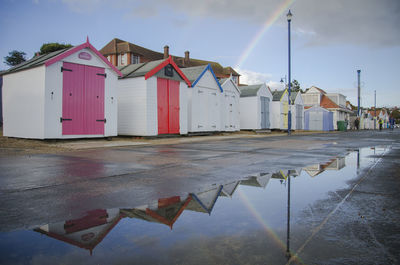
263 223
278 12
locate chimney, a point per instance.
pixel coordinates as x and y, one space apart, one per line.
166 51
187 58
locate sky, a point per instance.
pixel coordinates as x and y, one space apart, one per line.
330 39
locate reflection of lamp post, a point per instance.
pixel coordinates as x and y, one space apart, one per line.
288 221
289 19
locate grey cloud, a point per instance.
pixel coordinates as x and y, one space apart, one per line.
359 22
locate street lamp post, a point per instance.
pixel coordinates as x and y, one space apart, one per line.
289 19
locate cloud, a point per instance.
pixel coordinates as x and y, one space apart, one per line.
273 85
251 78
357 22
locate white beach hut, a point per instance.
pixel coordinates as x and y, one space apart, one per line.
255 107
297 111
152 99
279 110
204 99
230 101
70 93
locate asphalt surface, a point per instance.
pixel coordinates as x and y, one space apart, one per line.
47 188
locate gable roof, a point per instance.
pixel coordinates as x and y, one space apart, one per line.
194 74
277 95
149 69
225 80
317 88
53 57
328 103
249 91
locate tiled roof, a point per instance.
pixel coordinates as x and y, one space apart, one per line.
120 46
140 69
249 91
192 73
327 103
319 89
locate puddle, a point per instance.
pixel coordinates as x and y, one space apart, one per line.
249 221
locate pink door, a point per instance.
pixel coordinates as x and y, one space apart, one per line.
94 100
168 106
73 99
83 100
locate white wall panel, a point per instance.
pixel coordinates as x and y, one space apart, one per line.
23 103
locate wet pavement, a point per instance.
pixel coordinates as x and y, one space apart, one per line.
311 199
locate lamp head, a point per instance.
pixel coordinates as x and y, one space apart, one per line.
289 16
281 80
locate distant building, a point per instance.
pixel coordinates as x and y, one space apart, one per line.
334 102
122 53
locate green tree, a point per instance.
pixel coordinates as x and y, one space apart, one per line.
295 86
396 115
14 58
52 47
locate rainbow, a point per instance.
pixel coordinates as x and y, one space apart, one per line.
267 24
264 224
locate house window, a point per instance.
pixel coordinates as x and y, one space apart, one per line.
135 59
123 59
235 79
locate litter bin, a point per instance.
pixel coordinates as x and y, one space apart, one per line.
342 126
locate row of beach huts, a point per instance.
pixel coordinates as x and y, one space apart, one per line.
125 89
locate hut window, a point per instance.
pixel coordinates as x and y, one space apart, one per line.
168 71
235 79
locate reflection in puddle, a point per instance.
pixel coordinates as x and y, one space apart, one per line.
248 220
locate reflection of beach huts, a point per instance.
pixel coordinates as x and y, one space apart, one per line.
255 107
164 211
204 99
333 164
204 201
152 99
336 164
230 102
258 180
229 188
86 232
281 174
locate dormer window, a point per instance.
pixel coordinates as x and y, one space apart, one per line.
135 59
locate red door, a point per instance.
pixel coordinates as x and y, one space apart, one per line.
173 106
83 100
168 106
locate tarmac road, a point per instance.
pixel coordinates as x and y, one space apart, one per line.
43 188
